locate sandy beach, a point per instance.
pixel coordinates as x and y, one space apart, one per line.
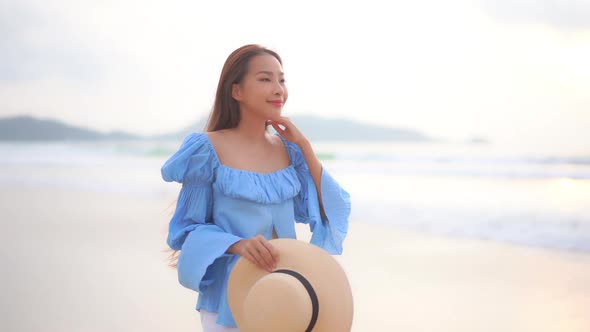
76 260
460 130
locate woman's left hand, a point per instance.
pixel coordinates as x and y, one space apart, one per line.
290 131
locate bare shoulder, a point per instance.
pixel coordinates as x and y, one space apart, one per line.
219 137
218 134
275 140
277 144
279 148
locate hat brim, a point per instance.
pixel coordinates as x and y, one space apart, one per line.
323 272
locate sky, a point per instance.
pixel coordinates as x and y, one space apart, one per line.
513 71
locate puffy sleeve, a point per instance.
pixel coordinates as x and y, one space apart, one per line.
191 229
327 232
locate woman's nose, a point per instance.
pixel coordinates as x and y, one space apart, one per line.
279 90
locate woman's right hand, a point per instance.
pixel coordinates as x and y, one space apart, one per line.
258 251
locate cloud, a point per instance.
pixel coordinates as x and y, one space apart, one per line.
35 43
561 14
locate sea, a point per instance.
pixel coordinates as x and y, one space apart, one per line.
521 196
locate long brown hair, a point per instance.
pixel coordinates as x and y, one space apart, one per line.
226 110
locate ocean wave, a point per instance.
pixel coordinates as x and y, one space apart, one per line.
528 228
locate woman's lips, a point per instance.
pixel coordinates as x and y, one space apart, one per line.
276 103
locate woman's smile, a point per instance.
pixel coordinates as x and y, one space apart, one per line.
277 103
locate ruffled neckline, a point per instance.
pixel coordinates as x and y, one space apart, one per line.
267 188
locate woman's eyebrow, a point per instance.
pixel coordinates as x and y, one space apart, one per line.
269 73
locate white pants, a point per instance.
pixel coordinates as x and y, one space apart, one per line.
209 325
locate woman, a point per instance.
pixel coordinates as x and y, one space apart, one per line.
242 186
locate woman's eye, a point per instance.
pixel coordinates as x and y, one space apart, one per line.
266 79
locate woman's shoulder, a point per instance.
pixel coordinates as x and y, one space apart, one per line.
195 158
197 144
295 153
220 134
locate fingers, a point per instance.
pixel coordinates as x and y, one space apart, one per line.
256 260
276 126
274 253
261 253
283 121
265 254
287 129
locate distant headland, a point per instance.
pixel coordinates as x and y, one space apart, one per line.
28 128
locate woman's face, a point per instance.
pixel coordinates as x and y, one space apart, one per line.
262 91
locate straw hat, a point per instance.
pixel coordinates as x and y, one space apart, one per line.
308 291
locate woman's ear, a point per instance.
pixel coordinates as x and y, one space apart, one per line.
236 91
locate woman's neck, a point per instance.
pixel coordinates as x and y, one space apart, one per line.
251 128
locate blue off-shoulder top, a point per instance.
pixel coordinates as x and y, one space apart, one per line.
219 205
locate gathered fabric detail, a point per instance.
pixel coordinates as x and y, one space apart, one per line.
193 208
193 162
264 188
296 155
196 162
